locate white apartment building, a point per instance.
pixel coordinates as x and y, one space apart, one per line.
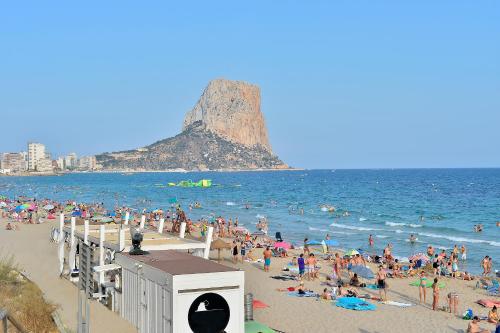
36 152
15 162
87 163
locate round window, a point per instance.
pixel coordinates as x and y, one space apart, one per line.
209 313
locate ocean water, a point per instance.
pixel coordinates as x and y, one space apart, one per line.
439 206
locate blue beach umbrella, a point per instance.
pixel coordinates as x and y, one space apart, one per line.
331 242
313 242
76 213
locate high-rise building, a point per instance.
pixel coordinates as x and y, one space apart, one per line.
71 161
36 152
14 162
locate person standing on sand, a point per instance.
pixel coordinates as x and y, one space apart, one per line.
311 267
267 259
306 246
337 265
301 264
422 286
381 283
235 252
435 294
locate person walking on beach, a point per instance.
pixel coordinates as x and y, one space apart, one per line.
381 283
267 259
422 286
435 294
243 251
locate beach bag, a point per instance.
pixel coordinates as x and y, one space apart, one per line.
468 314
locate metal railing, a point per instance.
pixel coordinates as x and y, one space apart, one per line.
5 318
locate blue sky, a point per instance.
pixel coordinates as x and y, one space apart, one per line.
344 84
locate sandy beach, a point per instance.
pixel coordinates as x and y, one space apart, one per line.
37 256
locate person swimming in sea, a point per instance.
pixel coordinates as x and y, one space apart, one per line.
413 239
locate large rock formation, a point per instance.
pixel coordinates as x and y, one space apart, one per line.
232 110
224 131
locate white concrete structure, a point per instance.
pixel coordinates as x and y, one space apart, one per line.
87 163
44 165
36 152
174 292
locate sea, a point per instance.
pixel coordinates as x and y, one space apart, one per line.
438 206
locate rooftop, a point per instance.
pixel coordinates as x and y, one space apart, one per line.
179 263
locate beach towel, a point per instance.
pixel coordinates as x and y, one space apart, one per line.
307 294
283 277
416 283
489 303
354 303
259 304
372 286
401 305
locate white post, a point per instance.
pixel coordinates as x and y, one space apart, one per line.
208 242
61 223
121 240
143 221
182 233
160 225
102 238
127 217
73 226
86 232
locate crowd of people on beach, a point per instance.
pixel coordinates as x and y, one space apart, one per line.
344 280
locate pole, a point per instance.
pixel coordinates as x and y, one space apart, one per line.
161 225
127 217
143 221
208 242
182 233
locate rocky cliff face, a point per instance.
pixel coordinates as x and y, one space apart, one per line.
231 109
224 131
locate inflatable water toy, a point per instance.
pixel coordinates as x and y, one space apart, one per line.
190 183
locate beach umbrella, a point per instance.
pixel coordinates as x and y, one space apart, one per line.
283 245
32 207
351 253
419 256
314 242
107 219
331 242
69 207
363 271
48 207
259 233
218 245
242 230
76 213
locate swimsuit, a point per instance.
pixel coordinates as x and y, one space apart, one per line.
267 262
